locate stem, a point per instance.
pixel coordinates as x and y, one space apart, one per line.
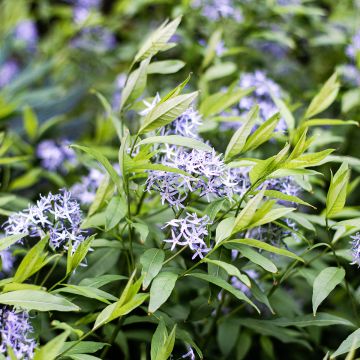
81 338
139 205
175 255
113 337
50 271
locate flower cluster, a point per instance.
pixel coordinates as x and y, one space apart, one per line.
96 38
264 88
217 9
15 329
355 248
8 71
85 190
55 155
286 185
7 261
26 33
58 215
189 231
354 48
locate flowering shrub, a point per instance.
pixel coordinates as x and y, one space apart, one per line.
192 196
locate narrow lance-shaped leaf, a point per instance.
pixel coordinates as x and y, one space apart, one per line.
325 97
238 140
156 41
31 123
336 196
151 261
165 112
324 283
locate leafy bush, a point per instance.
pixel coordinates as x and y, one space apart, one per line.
172 198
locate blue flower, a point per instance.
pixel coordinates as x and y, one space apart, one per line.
58 215
189 231
355 248
15 329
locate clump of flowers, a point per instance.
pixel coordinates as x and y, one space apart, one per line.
217 9
15 329
8 71
58 215
85 190
189 231
7 261
55 155
26 33
355 248
264 88
354 48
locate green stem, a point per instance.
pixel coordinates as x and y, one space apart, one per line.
113 337
175 255
50 271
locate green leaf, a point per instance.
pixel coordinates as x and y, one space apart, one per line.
262 134
324 283
162 343
219 71
226 286
272 215
285 112
165 67
88 292
218 102
103 191
351 342
87 347
267 247
27 180
230 269
329 122
53 348
243 220
223 230
7 241
238 140
321 319
31 122
161 289
324 98
75 259
157 40
165 112
135 83
210 52
336 196
256 257
115 212
151 261
105 163
176 140
290 198
37 300
33 261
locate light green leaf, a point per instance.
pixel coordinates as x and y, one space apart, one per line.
226 286
210 52
351 342
115 212
262 134
324 283
290 198
31 122
272 215
74 259
336 196
53 348
161 289
165 67
245 216
37 300
165 112
7 241
267 247
255 257
151 261
324 98
223 230
219 71
285 112
88 292
157 40
176 140
135 83
329 122
238 140
230 269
